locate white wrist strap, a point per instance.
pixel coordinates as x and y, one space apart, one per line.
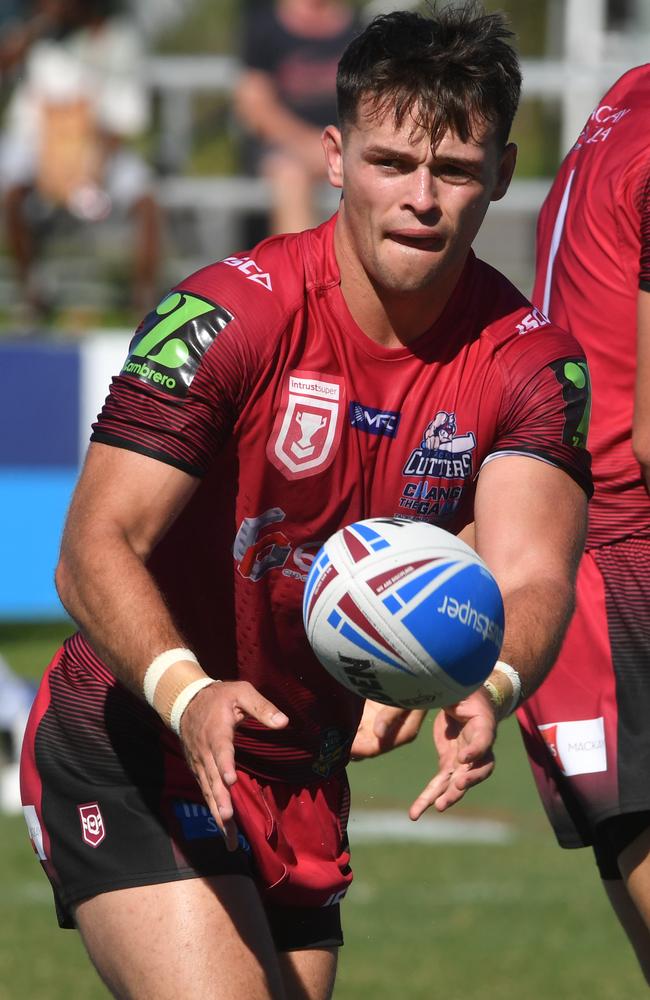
183 700
159 665
515 681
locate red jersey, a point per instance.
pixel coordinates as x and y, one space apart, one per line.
593 254
254 376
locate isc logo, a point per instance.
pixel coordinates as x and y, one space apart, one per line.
532 321
372 421
250 270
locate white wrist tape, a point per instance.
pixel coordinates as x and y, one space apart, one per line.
183 700
515 681
159 665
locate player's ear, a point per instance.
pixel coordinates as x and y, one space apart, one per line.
505 172
333 146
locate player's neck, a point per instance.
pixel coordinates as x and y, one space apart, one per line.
390 318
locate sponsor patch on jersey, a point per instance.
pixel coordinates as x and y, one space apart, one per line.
169 345
261 546
577 747
198 823
383 423
308 424
257 551
573 376
93 830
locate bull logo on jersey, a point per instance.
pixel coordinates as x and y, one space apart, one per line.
93 830
307 428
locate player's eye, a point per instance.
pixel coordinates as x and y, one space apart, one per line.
454 173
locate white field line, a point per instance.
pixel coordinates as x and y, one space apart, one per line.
372 826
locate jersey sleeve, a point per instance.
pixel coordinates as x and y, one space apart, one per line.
546 402
644 263
181 388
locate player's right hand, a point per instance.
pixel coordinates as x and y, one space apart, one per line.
207 734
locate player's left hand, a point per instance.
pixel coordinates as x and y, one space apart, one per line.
383 728
463 735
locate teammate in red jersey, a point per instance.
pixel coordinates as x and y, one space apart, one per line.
372 366
586 728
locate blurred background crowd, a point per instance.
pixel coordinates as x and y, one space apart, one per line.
140 139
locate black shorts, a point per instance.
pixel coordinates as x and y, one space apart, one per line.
586 728
110 803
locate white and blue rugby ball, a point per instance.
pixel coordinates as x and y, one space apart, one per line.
403 612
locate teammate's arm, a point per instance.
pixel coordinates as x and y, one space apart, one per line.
530 520
123 504
641 420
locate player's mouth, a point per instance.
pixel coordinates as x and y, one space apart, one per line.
417 239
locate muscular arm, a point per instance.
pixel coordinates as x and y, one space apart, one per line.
123 504
530 529
641 420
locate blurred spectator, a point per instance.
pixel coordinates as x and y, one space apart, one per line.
20 24
78 103
286 96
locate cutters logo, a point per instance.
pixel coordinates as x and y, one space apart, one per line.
250 270
93 830
442 454
307 427
372 421
257 551
578 747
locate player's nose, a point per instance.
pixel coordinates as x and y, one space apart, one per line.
422 194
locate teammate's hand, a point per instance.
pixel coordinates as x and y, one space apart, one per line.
207 734
463 735
383 728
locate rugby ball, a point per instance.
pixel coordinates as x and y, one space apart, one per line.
403 612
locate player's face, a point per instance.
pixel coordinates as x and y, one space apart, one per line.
409 215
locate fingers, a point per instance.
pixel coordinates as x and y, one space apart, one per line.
249 702
476 739
450 785
219 802
207 733
384 728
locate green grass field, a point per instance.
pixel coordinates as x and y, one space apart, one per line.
520 920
